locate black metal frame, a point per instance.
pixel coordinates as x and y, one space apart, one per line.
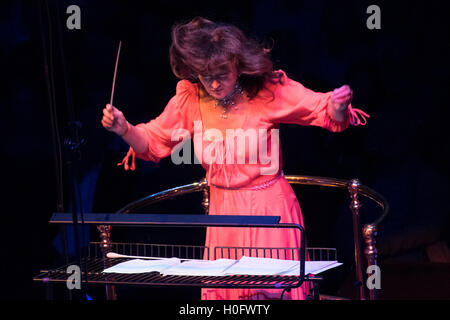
95 266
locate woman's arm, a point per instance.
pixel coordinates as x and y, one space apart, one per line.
154 140
294 103
113 120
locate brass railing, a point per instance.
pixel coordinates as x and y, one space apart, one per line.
355 189
368 232
170 193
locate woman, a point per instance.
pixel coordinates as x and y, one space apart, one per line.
228 89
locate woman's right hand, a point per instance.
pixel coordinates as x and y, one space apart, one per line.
113 120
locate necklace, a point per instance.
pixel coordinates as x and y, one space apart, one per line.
229 101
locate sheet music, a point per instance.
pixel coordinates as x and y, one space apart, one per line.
201 267
222 267
141 266
312 267
261 266
267 266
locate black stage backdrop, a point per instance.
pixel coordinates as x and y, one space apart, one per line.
399 75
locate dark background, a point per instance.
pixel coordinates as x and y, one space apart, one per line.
399 76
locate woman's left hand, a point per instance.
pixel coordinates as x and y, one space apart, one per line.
341 98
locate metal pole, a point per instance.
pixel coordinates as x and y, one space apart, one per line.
355 205
205 200
369 234
105 236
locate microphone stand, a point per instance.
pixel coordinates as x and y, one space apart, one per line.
72 143
72 146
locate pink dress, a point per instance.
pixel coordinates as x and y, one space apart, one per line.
243 180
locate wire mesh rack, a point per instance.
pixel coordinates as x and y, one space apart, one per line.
203 252
150 250
94 265
313 254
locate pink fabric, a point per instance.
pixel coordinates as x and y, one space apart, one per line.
354 120
285 102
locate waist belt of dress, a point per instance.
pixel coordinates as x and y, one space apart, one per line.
263 185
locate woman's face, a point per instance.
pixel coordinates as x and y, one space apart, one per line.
219 83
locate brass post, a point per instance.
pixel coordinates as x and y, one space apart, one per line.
371 253
355 205
205 200
105 236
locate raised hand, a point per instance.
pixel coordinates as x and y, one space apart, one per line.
341 98
113 120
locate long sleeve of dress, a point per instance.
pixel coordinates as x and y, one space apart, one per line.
169 128
294 103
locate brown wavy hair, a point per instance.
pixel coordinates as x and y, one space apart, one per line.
201 46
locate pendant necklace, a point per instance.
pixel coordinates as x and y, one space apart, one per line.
229 100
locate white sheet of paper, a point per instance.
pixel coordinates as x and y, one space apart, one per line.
261 266
221 267
312 267
141 266
200 267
